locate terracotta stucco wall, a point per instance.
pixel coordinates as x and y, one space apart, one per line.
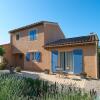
8 53
89 58
24 45
45 32
52 33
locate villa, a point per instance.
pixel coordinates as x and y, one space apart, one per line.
42 45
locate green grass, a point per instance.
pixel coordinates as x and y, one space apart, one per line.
13 87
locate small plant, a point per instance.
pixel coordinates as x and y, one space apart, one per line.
83 74
18 69
46 71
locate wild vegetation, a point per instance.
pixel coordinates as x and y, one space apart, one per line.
13 87
2 51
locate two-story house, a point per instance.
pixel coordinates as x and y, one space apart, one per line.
42 45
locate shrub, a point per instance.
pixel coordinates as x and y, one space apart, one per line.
2 66
18 69
2 51
83 74
46 71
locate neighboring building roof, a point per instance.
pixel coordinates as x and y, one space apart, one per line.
31 25
5 44
73 41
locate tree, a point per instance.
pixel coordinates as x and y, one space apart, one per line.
2 51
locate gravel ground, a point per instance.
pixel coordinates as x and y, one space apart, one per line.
81 83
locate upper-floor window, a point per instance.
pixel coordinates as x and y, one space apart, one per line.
33 34
18 36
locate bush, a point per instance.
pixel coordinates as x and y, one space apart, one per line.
46 71
2 66
83 74
18 69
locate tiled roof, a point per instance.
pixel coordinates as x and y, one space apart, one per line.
31 25
74 40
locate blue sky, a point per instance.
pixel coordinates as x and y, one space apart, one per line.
75 17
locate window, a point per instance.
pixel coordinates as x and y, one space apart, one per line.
33 34
69 60
62 60
36 56
66 60
33 55
18 36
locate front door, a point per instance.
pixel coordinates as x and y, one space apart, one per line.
19 60
78 60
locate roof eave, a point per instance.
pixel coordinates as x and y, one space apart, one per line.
63 45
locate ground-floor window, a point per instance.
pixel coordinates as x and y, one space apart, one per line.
33 56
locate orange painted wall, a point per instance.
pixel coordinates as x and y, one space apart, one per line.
45 32
89 57
8 53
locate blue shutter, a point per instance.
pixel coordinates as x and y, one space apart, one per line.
31 35
27 56
54 60
77 57
34 34
38 56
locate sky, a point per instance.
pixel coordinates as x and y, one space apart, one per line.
75 17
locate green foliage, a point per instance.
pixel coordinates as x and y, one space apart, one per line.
2 51
18 69
13 87
2 66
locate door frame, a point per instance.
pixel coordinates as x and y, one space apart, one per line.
66 71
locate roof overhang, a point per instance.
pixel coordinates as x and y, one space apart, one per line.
69 45
30 26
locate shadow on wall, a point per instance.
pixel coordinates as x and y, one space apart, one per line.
26 65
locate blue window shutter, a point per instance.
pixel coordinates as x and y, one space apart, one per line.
27 56
35 34
38 56
78 59
54 60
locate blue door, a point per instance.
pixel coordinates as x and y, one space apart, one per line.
77 56
54 60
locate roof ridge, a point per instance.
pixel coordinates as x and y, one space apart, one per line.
29 25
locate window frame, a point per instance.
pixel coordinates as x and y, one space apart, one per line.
34 55
67 68
19 34
69 59
34 59
29 34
